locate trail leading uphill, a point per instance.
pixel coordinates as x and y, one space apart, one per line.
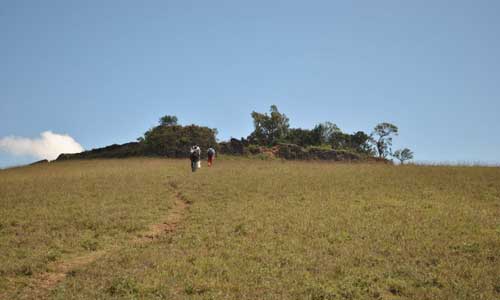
44 283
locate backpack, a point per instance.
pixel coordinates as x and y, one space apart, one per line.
195 155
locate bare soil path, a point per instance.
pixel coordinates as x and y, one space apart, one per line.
174 217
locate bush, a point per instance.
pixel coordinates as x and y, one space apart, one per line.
291 151
233 147
176 140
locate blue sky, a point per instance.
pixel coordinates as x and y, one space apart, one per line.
103 72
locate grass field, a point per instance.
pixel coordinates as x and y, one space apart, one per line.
250 230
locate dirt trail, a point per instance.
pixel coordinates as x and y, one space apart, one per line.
44 283
174 217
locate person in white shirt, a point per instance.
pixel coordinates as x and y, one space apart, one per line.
195 154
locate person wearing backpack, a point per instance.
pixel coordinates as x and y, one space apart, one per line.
211 156
194 155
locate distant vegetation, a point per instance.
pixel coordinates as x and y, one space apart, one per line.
173 140
271 137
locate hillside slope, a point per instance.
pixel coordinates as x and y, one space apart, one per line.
254 230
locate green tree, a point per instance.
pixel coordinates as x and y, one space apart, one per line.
176 140
357 142
324 132
299 136
382 138
340 140
269 129
360 142
168 120
403 155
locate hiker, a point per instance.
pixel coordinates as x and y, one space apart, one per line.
211 156
194 155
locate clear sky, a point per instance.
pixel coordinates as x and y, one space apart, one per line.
103 72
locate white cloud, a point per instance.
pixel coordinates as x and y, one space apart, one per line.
48 146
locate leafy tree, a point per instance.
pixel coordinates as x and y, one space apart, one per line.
176 140
340 140
299 136
168 120
403 155
280 124
328 133
324 132
382 138
360 141
269 129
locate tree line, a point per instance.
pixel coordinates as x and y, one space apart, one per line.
271 131
273 128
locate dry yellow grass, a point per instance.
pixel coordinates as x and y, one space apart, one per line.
255 230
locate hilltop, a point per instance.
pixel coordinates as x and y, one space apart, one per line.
272 138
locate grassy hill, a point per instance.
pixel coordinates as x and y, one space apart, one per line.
248 229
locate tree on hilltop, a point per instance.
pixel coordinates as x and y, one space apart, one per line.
168 120
269 129
403 155
323 133
382 138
